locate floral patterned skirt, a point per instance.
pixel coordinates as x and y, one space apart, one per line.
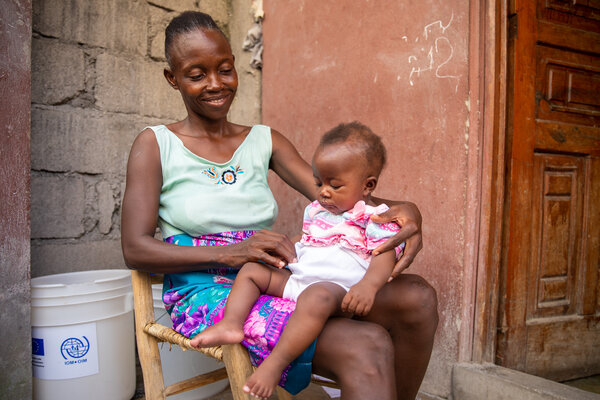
196 300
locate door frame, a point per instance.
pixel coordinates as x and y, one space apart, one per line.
489 120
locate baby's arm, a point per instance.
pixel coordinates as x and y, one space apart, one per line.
361 296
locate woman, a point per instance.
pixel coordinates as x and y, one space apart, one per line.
381 355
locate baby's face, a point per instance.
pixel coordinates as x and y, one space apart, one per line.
340 174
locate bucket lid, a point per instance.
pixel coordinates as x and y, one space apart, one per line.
76 283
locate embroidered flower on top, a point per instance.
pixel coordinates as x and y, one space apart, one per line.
228 176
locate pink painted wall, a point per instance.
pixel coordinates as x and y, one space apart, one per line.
401 68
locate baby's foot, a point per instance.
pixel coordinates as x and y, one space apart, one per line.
220 333
263 381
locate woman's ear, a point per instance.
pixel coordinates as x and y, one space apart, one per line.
370 185
170 78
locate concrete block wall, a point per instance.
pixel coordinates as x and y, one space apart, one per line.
97 81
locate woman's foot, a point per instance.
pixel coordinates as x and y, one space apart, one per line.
263 381
218 334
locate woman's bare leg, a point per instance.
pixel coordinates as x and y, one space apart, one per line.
359 356
407 308
252 280
389 354
314 307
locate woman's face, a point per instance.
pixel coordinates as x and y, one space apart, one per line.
340 177
201 68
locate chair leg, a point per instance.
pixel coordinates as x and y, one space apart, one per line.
239 369
147 345
154 387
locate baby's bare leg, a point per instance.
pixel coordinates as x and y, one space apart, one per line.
314 307
252 280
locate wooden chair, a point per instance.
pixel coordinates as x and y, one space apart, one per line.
149 333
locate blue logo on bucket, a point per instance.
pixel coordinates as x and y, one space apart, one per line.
37 346
74 347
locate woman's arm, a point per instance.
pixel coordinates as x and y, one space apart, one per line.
139 221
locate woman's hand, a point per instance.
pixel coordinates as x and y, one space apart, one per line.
408 217
266 246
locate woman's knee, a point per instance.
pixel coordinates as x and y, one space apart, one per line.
421 295
375 355
376 341
409 299
359 356
355 353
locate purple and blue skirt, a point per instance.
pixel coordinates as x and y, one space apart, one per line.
196 300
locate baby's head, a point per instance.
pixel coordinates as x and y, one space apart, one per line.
346 166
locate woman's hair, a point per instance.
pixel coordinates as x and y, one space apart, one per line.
188 21
362 138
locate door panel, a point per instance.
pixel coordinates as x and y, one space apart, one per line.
558 192
568 100
550 318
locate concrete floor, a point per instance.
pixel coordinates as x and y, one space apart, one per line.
591 384
313 392
472 381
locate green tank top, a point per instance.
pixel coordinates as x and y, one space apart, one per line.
200 197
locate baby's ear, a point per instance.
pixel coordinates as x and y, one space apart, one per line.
370 184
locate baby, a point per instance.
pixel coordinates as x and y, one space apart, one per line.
335 273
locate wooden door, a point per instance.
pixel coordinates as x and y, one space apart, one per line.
549 321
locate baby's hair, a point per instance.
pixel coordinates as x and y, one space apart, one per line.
361 136
185 22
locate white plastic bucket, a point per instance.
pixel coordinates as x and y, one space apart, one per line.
83 343
178 364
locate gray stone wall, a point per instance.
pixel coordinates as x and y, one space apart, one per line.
97 81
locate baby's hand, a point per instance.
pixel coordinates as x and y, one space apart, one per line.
359 299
